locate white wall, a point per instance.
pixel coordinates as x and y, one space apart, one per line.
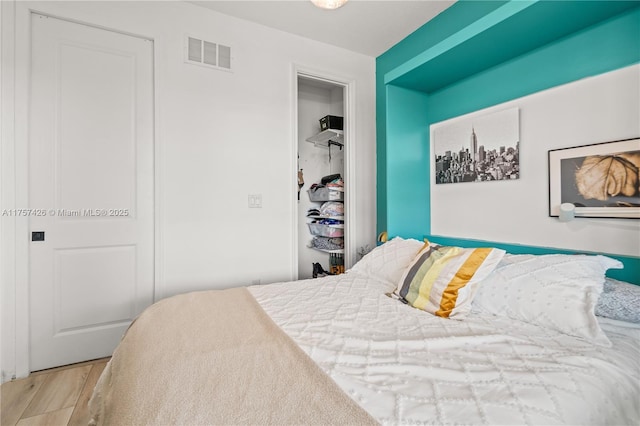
597 109
219 137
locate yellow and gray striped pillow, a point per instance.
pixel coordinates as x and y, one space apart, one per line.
443 280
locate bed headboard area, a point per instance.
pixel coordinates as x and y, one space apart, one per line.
630 272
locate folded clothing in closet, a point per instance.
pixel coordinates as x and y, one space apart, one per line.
327 243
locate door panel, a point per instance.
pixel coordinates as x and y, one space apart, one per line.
91 179
107 141
110 297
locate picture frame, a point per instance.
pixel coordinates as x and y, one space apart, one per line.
602 180
477 148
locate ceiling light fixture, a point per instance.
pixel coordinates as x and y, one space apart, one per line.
328 4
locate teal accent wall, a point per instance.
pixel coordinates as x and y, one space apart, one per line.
444 25
408 133
550 43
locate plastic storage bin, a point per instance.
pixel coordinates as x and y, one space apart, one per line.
325 230
326 194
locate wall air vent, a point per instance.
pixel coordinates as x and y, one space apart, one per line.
208 54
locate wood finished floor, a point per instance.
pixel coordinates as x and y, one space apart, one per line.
58 396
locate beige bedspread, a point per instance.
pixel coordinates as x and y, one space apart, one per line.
215 357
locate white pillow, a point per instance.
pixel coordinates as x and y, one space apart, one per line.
553 291
388 261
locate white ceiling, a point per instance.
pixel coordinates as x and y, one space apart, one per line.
369 27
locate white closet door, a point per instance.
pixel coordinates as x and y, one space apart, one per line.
91 174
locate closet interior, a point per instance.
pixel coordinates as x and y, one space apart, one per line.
321 194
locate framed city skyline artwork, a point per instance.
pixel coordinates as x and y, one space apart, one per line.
600 180
478 148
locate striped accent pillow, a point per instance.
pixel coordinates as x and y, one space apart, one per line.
443 280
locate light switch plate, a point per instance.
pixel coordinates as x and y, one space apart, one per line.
255 201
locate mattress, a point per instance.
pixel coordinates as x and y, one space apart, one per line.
404 366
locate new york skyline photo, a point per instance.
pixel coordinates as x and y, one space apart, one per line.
478 149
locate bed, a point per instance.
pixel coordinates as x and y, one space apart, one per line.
520 345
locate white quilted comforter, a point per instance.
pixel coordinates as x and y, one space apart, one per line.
405 366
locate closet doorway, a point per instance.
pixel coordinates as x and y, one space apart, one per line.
324 208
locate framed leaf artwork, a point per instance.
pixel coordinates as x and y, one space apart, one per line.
601 180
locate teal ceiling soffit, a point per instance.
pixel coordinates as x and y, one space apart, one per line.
511 30
490 20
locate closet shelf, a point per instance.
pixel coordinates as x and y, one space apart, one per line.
330 135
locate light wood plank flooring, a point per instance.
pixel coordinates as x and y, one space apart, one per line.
58 396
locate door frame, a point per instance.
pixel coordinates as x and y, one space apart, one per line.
350 196
14 192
